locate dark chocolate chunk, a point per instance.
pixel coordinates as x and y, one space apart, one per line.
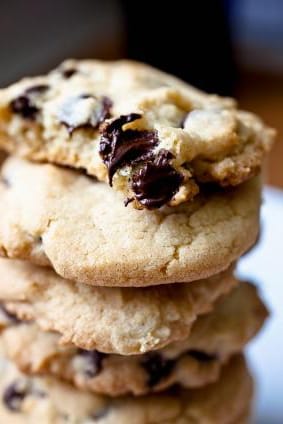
15 394
156 181
11 317
68 73
92 362
119 148
201 356
24 105
157 368
68 114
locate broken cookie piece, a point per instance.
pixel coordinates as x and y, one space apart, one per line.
149 135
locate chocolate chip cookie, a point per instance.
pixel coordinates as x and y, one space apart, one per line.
149 135
45 400
59 218
112 320
191 363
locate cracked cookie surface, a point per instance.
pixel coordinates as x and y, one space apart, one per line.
151 136
111 320
32 400
191 363
65 220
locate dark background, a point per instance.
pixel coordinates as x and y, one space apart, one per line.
232 47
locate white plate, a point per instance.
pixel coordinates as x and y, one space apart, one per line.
264 265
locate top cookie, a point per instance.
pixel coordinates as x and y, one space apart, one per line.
148 134
56 217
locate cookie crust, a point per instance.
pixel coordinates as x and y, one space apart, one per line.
194 362
115 119
55 217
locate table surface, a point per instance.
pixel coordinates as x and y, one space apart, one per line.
264 266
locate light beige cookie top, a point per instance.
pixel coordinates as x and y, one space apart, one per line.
44 400
80 227
191 363
150 135
112 320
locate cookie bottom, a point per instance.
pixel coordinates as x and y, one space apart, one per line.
47 400
190 363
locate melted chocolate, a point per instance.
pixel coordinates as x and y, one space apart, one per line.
119 148
157 368
24 105
156 182
93 362
67 114
14 395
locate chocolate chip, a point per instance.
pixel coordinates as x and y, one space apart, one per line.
202 356
92 362
14 395
84 111
11 317
68 73
156 182
119 148
157 368
24 105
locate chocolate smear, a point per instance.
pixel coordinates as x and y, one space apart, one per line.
156 182
119 148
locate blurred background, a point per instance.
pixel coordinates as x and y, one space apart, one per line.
232 47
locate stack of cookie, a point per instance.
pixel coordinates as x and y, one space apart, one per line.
128 200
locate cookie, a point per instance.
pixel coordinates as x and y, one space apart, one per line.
47 401
149 135
80 227
111 320
194 362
